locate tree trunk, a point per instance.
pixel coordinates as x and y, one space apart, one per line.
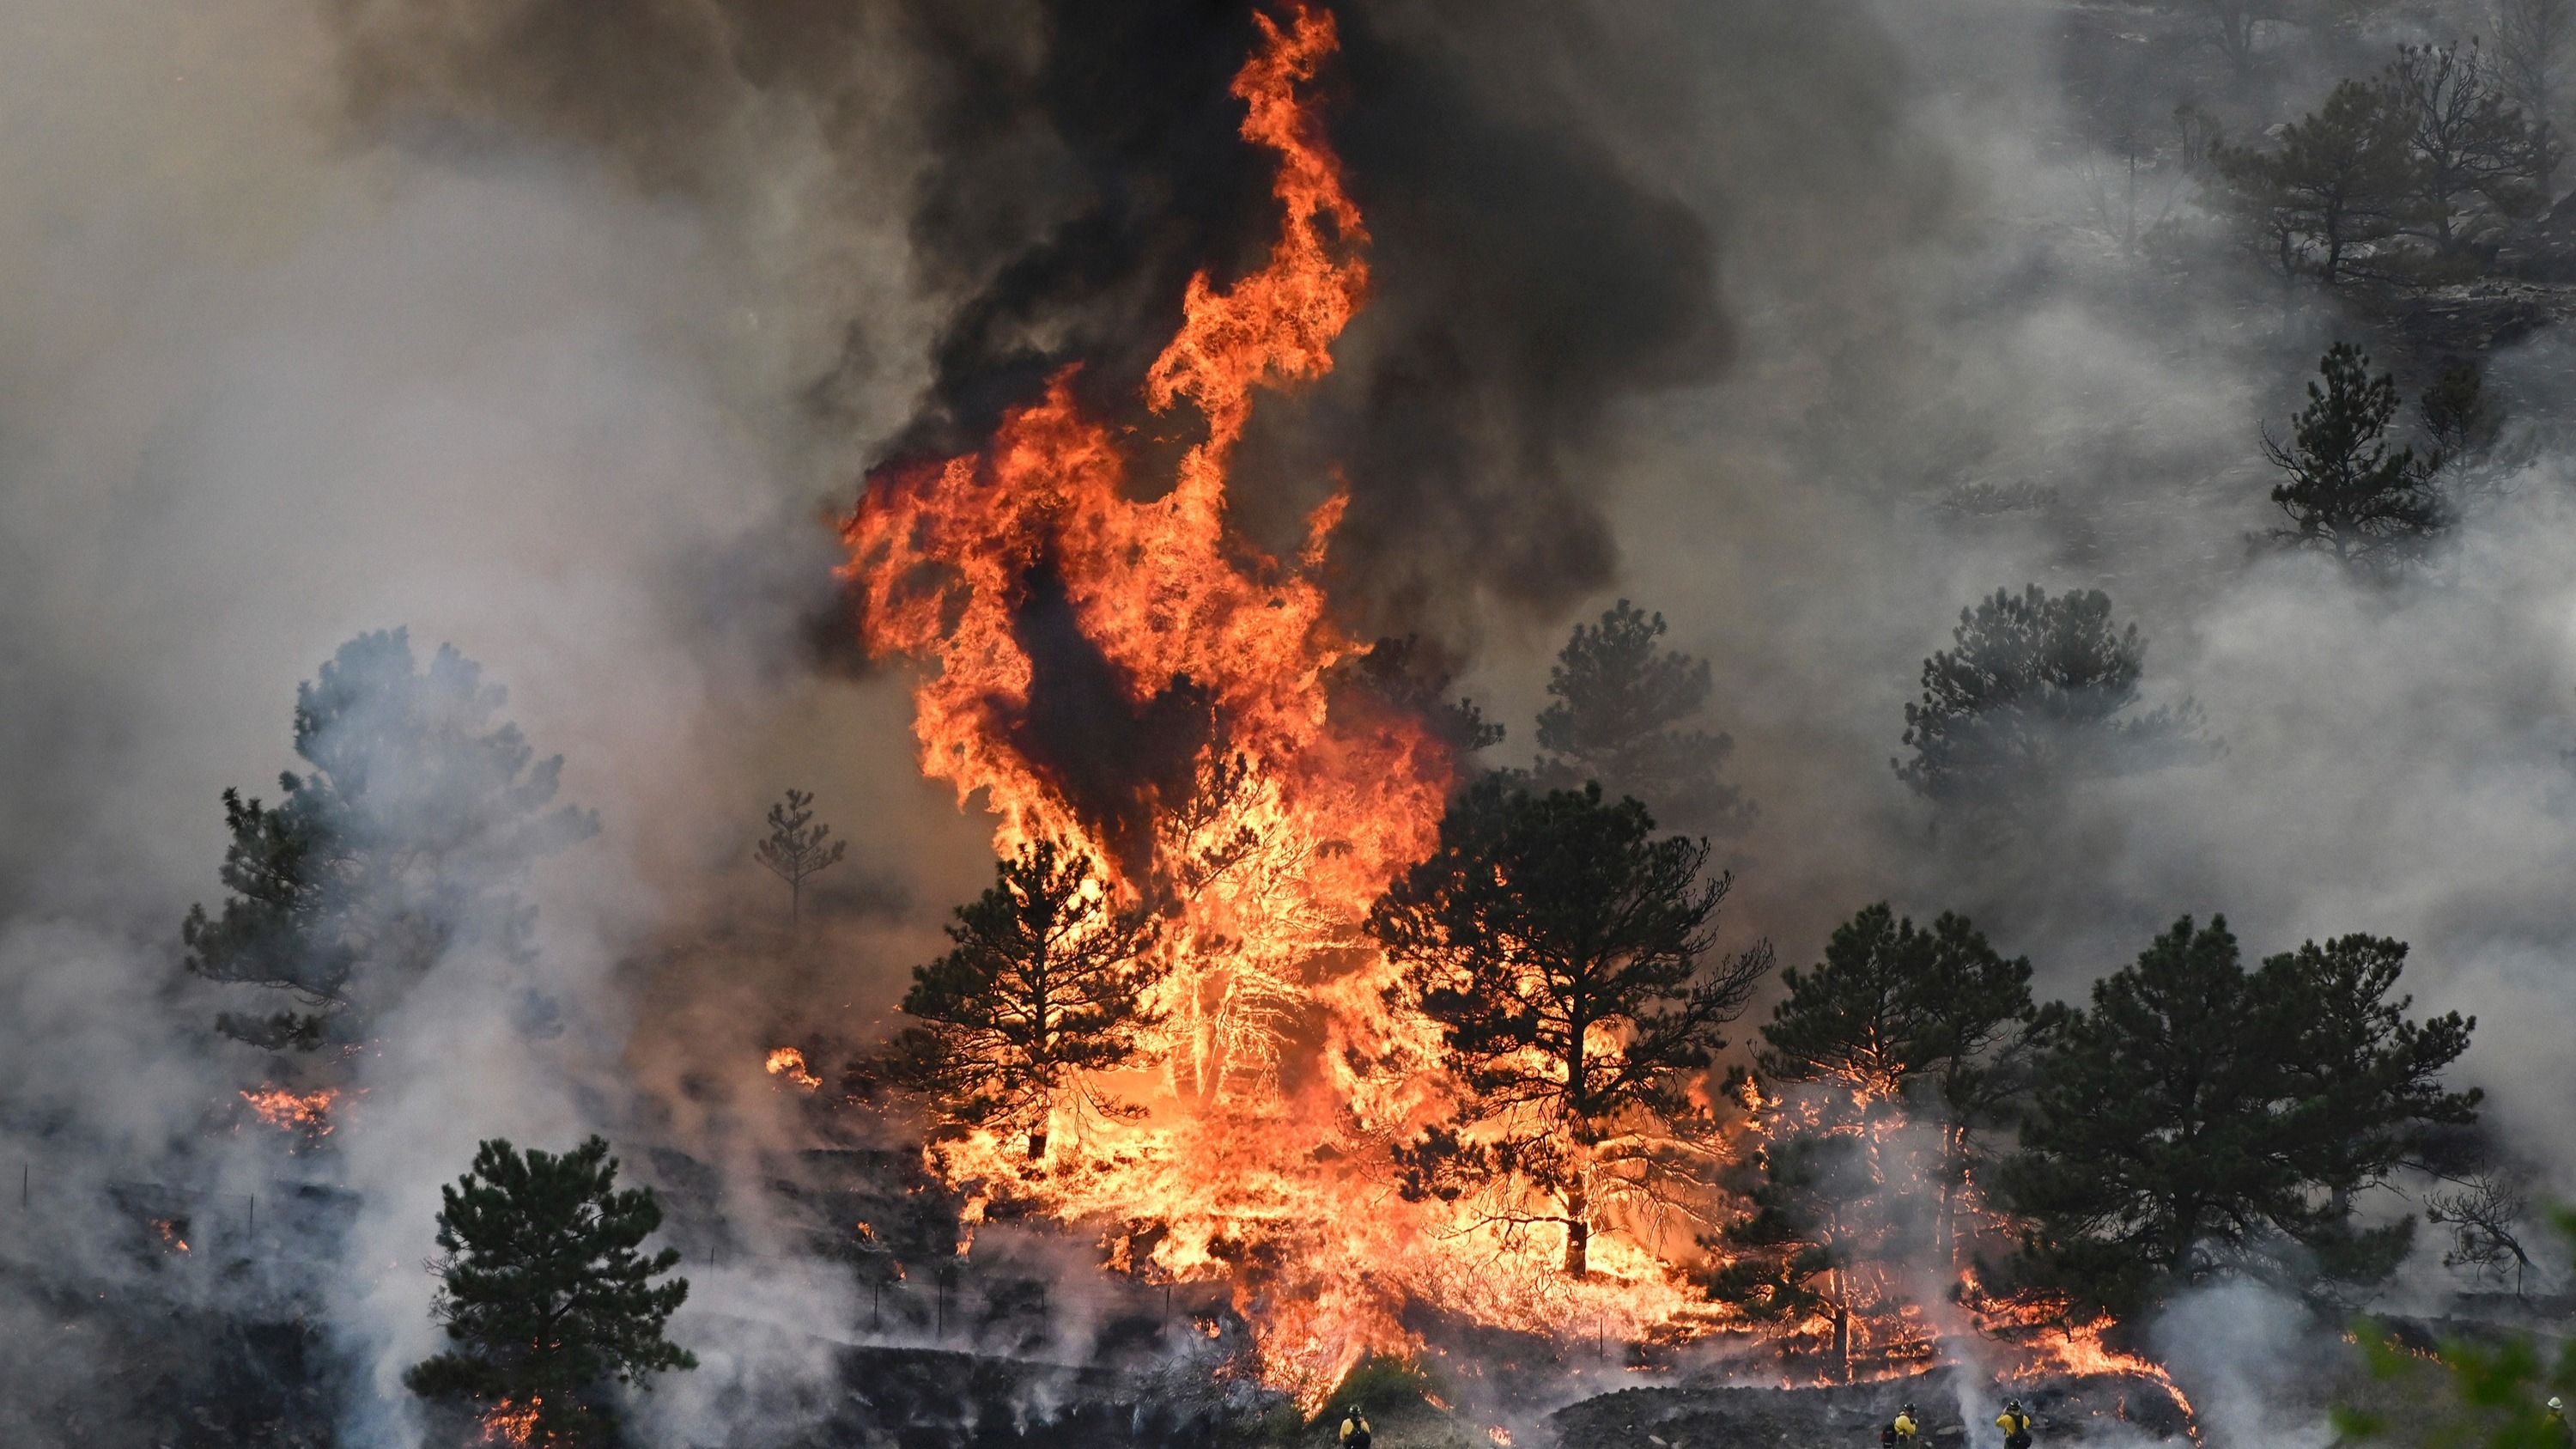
1037 1144
1578 1233
1842 1340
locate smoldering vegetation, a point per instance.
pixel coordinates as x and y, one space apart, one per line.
553 331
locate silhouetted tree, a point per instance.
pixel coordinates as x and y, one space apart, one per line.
2034 693
544 1296
1045 985
1820 1226
1406 675
1627 714
2342 177
2468 137
1562 950
410 837
2342 488
798 849
2198 1119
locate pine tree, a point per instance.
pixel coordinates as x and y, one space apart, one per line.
1927 1026
1563 952
1820 1230
2033 695
797 849
2343 179
545 1297
1627 714
410 836
2197 1119
2342 489
2468 137
1045 985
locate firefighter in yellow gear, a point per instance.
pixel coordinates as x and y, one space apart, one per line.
1900 1434
2015 1424
2554 1423
1355 1429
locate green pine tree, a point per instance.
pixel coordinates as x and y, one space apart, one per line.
410 836
544 1295
1044 986
2198 1120
1564 952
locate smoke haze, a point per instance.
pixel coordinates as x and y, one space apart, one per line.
556 332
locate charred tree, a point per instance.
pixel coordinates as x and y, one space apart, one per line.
1564 952
2468 136
545 1297
1627 714
2341 487
410 836
796 848
1045 985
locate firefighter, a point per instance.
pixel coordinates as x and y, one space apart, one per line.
2555 1422
1900 1434
2015 1424
1355 1429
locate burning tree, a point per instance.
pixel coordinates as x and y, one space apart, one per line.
2199 1119
543 1293
796 848
410 837
1626 714
1560 949
1877 1066
1046 985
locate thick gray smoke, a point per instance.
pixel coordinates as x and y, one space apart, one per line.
552 331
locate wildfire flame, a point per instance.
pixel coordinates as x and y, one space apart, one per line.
1039 568
1278 1075
303 1112
512 1424
172 1232
787 1063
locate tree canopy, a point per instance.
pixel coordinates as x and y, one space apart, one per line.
1563 950
410 836
1629 714
544 1295
2198 1119
2036 691
1045 984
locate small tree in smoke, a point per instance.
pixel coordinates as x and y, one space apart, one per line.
797 849
2488 1215
1563 951
1626 714
1044 986
410 836
2035 692
2343 489
545 1296
2197 1119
